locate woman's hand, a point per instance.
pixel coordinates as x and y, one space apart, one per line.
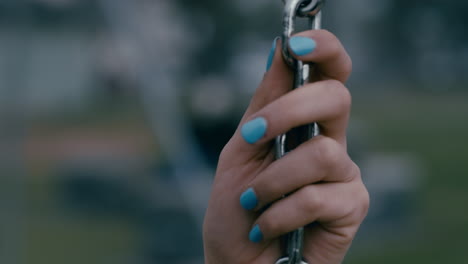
247 215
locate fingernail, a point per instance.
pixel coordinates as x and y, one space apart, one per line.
256 235
302 45
254 130
249 199
272 54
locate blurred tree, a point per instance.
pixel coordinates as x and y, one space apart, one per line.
421 42
220 24
411 42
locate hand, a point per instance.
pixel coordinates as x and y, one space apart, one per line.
246 214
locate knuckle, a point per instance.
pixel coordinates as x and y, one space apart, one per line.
343 237
347 237
344 97
269 226
328 36
325 32
224 152
341 94
333 43
364 202
348 63
312 201
363 197
336 51
329 152
354 172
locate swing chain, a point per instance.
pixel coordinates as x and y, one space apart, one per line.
310 9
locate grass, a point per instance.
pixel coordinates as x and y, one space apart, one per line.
54 234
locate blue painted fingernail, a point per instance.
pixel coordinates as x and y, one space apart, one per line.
249 199
301 45
272 54
255 234
254 130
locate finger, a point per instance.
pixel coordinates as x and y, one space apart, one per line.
326 102
325 50
338 207
276 82
320 159
325 246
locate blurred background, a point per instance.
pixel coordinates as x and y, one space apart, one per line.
113 113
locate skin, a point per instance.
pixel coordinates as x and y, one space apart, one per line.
324 184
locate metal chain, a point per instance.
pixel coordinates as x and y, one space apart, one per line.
309 9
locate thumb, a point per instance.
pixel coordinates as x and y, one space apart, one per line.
277 81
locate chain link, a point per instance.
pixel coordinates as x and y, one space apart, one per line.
311 10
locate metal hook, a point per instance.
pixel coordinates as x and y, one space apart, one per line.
309 7
301 8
